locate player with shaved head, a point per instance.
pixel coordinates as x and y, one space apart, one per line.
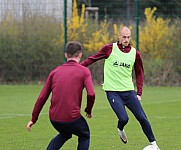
120 59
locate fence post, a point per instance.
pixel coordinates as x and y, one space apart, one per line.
65 27
137 24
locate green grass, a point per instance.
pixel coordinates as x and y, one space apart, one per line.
161 104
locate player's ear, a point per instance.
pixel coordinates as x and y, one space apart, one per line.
80 55
65 55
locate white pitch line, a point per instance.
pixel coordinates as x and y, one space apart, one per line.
167 117
160 102
7 116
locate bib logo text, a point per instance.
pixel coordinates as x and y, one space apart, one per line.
121 64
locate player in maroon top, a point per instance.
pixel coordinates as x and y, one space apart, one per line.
66 83
128 98
104 53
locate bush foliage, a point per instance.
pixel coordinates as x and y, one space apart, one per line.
30 48
158 48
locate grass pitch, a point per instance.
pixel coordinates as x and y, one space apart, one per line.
161 104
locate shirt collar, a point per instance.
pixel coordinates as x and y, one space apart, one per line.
124 48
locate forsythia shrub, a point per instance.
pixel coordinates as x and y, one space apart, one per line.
76 30
92 38
155 35
98 38
156 43
77 26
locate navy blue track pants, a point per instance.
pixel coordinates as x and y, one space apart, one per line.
79 128
118 101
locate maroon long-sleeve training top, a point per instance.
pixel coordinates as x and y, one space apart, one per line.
104 53
66 83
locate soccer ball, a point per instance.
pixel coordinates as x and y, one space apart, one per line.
150 147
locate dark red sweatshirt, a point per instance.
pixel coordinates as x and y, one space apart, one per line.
104 53
66 83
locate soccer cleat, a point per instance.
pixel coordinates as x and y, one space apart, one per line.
156 147
123 136
151 147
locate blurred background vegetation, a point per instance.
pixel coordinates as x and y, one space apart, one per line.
32 41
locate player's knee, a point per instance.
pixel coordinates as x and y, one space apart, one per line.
123 121
86 135
143 120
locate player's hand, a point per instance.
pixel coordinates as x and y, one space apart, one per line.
139 97
28 126
89 115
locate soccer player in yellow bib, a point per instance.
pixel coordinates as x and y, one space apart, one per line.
120 59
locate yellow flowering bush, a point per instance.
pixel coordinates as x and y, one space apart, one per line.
155 35
98 38
77 26
92 38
